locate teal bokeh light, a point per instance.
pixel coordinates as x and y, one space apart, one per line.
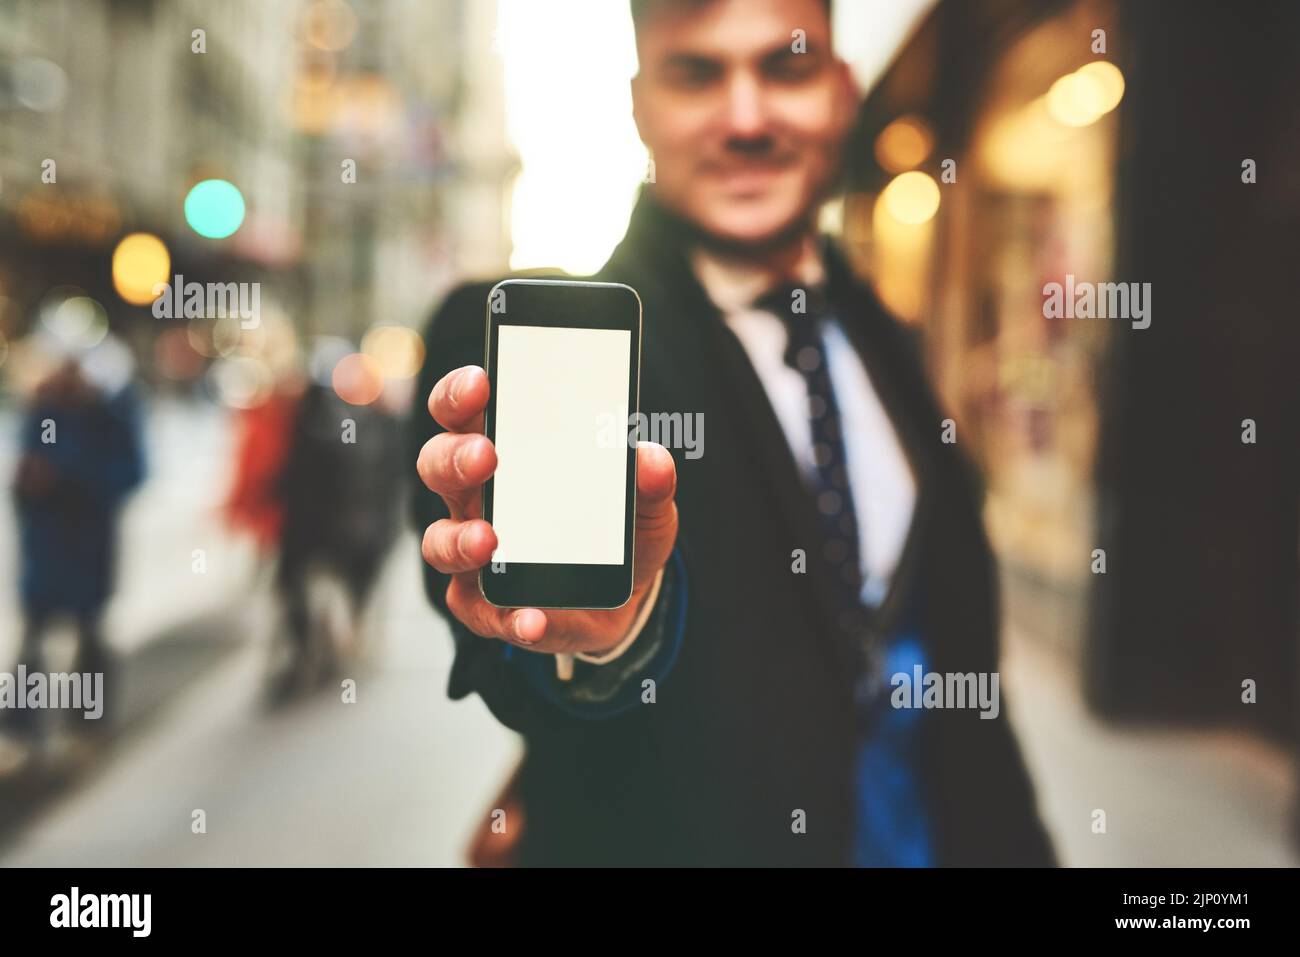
214 208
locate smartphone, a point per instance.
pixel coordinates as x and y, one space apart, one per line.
564 362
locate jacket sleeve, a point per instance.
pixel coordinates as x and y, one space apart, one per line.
521 687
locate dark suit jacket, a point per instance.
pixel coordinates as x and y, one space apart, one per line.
756 719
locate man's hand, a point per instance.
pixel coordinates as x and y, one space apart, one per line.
456 463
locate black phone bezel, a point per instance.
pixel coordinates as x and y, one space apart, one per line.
573 305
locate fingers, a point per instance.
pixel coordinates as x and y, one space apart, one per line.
455 465
656 485
453 546
525 626
458 400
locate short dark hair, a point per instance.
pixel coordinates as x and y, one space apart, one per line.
642 9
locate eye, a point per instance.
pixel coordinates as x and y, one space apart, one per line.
791 67
692 72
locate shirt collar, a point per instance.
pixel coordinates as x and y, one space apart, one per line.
734 284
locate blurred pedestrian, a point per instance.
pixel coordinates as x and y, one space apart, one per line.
263 434
339 495
80 457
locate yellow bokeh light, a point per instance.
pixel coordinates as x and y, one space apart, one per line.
903 144
140 262
911 198
1076 99
1108 76
902 254
399 351
329 25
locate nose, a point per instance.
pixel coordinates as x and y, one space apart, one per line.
746 112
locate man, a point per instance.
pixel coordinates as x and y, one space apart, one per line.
738 710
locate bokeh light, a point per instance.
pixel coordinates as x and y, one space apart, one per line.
140 263
329 24
1075 100
77 321
1109 78
226 334
399 351
39 84
358 379
71 321
911 198
241 382
903 144
214 208
109 364
1086 95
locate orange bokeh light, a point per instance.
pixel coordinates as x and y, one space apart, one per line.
358 379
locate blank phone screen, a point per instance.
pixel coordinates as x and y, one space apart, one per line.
560 489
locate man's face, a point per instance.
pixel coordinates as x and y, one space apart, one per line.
745 132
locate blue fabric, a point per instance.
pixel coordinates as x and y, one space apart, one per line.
892 825
67 531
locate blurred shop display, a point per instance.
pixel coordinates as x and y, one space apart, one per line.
1099 147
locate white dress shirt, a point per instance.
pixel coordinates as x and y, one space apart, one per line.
880 475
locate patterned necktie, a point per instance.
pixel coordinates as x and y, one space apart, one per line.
803 311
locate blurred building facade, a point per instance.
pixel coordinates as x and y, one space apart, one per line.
983 169
367 144
362 137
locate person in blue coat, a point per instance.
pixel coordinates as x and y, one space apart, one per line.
81 456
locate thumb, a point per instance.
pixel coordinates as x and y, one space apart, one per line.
656 485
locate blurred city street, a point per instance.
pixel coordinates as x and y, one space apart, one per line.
401 776
398 778
224 229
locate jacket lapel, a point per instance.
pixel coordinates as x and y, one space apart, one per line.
708 366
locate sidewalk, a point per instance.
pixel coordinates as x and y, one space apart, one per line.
1173 796
398 778
167 621
155 673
